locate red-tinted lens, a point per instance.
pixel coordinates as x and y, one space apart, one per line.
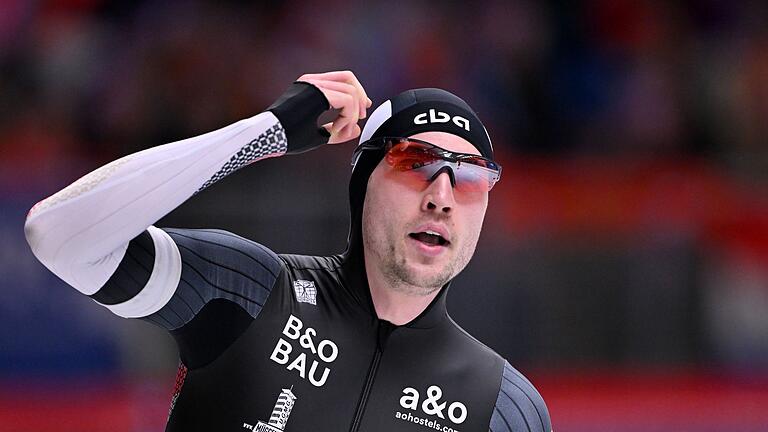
410 155
421 162
473 178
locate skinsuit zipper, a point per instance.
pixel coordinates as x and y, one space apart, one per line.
385 328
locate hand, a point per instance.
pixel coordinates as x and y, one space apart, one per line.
344 92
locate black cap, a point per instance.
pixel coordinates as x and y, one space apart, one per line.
424 110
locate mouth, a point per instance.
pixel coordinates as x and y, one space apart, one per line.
429 238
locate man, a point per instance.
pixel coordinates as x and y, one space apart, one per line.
359 341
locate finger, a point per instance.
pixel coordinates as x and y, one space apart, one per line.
337 99
339 125
353 118
346 77
363 97
334 137
349 78
339 76
345 135
344 87
326 86
338 86
354 131
346 104
351 89
346 124
348 130
363 102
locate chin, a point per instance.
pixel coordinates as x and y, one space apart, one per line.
429 276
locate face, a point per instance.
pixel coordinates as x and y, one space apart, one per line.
398 214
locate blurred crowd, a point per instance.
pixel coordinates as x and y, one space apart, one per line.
618 84
619 78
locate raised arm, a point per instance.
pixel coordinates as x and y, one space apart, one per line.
82 232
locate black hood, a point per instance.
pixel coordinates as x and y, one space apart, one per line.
353 261
396 117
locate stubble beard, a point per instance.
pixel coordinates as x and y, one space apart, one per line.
402 277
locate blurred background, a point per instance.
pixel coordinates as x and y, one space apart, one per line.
623 264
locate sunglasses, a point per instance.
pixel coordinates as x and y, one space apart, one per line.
422 161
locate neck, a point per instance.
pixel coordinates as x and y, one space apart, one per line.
397 304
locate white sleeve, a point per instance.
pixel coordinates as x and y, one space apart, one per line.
81 232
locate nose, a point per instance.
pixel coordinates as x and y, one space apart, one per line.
439 194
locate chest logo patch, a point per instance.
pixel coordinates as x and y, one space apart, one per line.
305 291
431 405
309 352
279 416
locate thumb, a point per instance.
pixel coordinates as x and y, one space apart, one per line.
347 133
334 136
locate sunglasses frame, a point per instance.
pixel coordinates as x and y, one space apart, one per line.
385 144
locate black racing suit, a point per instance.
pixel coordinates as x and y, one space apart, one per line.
292 343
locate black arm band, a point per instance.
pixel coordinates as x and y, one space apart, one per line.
298 109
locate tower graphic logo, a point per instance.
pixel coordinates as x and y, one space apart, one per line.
280 414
